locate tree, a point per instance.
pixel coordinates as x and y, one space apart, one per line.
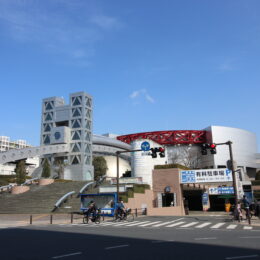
186 156
20 171
46 169
59 163
100 167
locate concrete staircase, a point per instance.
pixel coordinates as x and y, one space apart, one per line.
41 199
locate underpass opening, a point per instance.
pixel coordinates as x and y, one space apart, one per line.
193 199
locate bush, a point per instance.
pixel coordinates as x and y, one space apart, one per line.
257 176
256 183
169 166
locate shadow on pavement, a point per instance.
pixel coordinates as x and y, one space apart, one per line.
27 244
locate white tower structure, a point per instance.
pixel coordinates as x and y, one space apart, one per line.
69 124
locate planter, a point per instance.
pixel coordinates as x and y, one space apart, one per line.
46 181
19 189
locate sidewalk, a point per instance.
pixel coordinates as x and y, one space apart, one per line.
255 221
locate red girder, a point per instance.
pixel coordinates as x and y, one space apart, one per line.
168 137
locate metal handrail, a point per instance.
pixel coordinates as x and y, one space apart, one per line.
86 186
62 199
29 181
7 187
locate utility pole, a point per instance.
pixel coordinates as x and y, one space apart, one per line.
229 143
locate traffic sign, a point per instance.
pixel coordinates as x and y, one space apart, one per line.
145 146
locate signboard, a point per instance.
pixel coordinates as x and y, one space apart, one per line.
145 146
205 175
221 190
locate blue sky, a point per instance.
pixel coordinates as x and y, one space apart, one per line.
149 65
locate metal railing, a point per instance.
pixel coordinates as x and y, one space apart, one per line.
30 181
85 187
62 199
7 187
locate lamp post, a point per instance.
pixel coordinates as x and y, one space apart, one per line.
229 143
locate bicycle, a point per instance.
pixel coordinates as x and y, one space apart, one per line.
90 216
124 216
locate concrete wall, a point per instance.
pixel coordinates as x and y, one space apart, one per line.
167 177
141 200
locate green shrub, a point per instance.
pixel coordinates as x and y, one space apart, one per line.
256 183
257 176
169 166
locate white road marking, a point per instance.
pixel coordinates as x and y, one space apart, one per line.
218 225
61 256
205 238
176 224
137 223
231 226
162 224
203 225
125 223
145 225
247 227
241 257
113 247
189 224
250 237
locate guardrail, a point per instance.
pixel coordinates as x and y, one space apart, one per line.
85 187
30 181
62 199
6 187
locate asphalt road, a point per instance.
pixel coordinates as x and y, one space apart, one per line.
147 238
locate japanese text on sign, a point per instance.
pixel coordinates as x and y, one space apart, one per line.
206 175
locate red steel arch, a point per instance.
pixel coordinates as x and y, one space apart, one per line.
168 137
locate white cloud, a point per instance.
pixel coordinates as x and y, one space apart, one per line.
142 94
106 22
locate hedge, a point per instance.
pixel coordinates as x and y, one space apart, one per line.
174 165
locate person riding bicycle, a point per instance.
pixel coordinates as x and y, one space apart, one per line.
92 208
120 207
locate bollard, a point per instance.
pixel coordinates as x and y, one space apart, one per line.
135 212
50 219
30 219
103 215
71 218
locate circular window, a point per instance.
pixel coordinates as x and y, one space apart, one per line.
57 135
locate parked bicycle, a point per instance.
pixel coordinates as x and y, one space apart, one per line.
124 215
93 216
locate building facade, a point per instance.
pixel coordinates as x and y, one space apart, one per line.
69 124
6 144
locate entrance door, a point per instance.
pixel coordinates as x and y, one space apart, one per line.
194 198
167 198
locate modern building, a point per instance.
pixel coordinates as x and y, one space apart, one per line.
69 124
184 147
6 144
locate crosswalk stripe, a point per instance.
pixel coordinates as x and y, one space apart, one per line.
176 224
231 226
218 225
162 224
148 224
203 225
247 227
189 224
138 223
125 223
